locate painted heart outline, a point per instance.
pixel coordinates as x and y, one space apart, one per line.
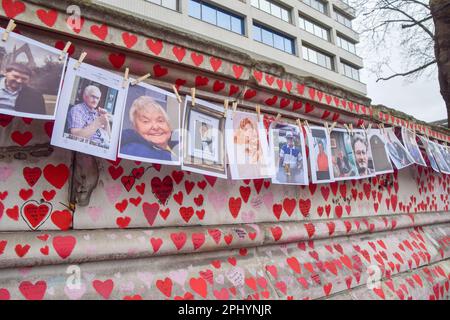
35 213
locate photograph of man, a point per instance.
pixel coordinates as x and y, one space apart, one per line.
363 157
291 161
409 140
88 120
204 140
31 76
344 163
151 132
397 152
381 162
16 95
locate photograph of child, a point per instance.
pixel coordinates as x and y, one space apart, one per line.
31 76
428 148
204 143
363 154
320 155
89 111
397 152
410 143
150 126
381 162
247 147
343 158
287 146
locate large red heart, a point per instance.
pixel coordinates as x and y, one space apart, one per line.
62 219
150 212
48 17
155 46
100 32
129 39
162 189
13 8
165 286
35 213
117 60
179 53
178 239
215 63
64 245
200 286
104 288
21 138
33 291
56 175
234 204
305 207
32 175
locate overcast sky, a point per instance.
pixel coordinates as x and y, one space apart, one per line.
420 98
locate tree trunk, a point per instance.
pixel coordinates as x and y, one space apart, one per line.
440 9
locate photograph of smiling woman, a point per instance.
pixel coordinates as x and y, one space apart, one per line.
150 126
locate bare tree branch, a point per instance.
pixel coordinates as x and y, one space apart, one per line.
408 72
405 26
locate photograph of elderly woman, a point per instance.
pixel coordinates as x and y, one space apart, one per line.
91 109
343 158
150 126
30 77
247 147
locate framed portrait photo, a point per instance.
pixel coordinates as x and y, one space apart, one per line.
342 156
89 111
380 154
397 152
247 147
320 155
287 147
31 77
410 143
150 130
204 140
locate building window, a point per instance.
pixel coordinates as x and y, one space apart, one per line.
314 28
342 19
319 5
317 57
170 4
350 71
273 39
272 8
216 16
346 44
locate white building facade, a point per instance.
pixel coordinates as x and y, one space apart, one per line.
307 37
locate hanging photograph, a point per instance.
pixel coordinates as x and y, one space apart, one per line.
204 142
441 156
363 154
287 146
397 152
343 158
247 147
150 126
31 77
409 141
428 148
89 111
320 155
380 154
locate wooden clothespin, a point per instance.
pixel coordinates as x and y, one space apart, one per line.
235 104
332 127
347 128
307 125
299 124
140 79
176 93
258 112
327 127
226 104
125 78
277 119
80 60
351 128
65 50
11 26
193 96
